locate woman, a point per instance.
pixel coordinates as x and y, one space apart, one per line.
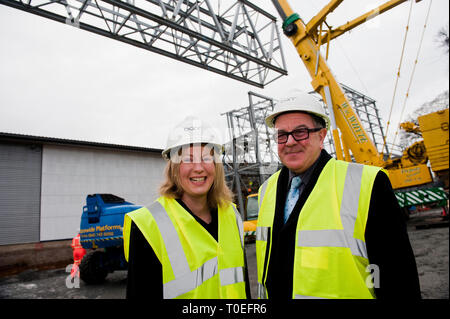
189 242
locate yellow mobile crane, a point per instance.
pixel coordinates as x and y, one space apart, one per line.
308 38
348 133
434 129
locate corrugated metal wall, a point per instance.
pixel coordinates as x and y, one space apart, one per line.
70 173
20 188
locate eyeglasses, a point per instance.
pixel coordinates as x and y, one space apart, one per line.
189 159
298 134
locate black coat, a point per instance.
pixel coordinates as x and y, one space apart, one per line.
386 238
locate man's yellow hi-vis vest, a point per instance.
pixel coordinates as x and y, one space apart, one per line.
194 264
330 259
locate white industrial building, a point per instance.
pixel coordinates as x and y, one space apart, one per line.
44 183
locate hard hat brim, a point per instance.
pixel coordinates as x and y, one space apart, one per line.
166 153
270 120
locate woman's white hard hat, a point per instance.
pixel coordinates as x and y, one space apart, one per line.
300 103
192 130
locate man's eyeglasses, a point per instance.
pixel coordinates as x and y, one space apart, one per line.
298 134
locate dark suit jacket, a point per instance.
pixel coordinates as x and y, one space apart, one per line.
386 237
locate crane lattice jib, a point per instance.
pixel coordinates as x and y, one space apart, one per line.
240 41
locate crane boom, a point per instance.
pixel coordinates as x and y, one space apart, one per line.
347 130
323 82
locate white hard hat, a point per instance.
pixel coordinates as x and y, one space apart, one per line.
192 130
300 103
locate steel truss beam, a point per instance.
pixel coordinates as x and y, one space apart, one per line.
240 40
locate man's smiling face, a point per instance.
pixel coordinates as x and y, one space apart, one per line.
298 156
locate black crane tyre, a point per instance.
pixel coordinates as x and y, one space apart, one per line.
92 269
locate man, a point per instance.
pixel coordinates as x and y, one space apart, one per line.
328 228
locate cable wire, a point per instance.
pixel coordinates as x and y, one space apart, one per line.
397 78
413 71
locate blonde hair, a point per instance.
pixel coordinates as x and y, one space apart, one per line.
218 194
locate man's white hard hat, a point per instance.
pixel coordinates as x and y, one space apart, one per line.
300 103
192 130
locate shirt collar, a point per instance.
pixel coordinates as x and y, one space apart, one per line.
306 175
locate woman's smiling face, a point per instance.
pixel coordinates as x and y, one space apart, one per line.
197 171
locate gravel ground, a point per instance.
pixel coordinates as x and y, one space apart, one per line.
431 248
51 284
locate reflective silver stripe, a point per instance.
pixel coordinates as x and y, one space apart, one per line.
350 197
358 248
322 238
349 208
262 233
261 291
262 193
307 297
231 276
349 212
240 224
209 269
177 258
331 238
187 282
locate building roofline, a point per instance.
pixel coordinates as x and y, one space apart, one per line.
14 137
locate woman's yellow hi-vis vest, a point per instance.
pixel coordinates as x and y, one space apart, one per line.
330 259
194 264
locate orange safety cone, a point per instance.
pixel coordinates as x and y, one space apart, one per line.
78 254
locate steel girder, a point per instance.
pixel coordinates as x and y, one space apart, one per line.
233 38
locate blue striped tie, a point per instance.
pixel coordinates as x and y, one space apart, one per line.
292 197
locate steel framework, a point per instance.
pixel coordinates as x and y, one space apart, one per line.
233 38
250 155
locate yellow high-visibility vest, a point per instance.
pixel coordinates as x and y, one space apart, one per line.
194 264
330 259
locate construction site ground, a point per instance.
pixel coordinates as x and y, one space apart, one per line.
428 232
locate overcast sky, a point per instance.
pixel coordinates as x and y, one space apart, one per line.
60 81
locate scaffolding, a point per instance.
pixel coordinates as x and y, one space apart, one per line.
250 155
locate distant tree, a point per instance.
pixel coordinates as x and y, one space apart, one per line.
442 38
